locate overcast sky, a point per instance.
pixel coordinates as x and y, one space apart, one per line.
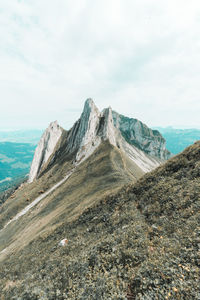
141 57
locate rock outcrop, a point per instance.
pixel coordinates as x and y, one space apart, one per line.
138 134
45 149
143 146
88 132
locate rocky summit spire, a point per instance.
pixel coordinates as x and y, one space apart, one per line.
84 129
109 131
89 122
44 149
98 127
131 136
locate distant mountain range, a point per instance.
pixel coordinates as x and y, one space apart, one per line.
16 153
178 139
15 161
21 136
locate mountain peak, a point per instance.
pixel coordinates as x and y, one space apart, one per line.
53 125
89 101
109 131
129 135
90 107
45 148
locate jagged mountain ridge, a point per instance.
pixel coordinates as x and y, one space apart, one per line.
91 129
45 149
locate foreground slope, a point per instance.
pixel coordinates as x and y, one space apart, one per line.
139 243
106 170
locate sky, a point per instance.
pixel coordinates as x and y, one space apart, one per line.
141 57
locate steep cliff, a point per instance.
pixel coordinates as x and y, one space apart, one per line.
45 148
138 134
94 128
145 147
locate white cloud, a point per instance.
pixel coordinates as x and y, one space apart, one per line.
141 57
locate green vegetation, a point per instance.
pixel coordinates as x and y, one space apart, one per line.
140 242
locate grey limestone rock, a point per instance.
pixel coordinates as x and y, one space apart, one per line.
138 134
142 145
45 148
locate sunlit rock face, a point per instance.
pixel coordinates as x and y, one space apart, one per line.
144 146
138 134
45 148
88 132
94 126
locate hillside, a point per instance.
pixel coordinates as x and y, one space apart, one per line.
139 243
178 139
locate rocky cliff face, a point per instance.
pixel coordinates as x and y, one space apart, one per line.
138 134
45 149
142 145
88 132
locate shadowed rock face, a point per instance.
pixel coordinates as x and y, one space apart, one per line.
138 134
131 136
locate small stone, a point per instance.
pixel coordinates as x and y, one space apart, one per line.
63 242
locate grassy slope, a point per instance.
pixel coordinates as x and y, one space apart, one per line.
140 243
103 172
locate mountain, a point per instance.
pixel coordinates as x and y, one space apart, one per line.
178 139
65 233
138 134
87 134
